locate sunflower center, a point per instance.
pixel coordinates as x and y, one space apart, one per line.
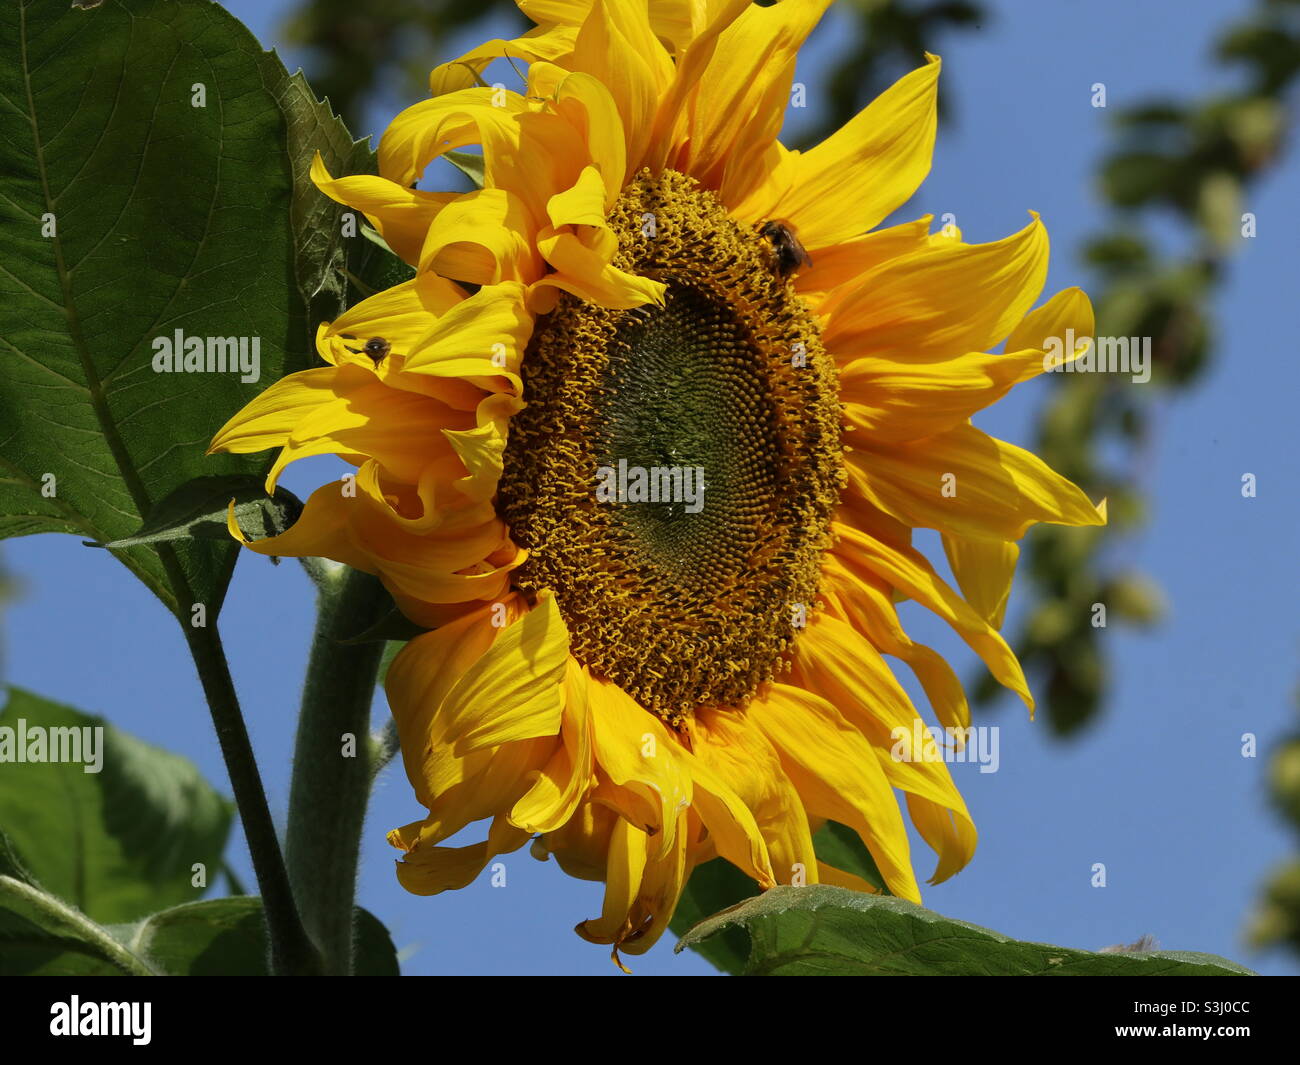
674 472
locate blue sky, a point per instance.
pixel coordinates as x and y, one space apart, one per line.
1156 789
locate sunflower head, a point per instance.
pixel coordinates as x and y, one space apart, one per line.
681 602
643 444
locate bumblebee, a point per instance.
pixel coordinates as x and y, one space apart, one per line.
788 253
376 347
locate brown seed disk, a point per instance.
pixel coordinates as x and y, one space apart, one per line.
693 599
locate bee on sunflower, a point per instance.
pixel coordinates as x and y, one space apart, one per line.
648 275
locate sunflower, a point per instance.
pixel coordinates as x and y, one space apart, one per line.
649 280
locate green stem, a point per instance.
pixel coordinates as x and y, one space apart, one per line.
87 937
292 953
332 762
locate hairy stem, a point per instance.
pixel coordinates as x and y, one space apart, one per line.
292 953
332 763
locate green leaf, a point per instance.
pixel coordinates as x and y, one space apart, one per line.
117 843
717 884
714 886
227 937
840 846
317 224
828 931
393 626
339 258
198 508
41 936
146 189
10 864
322 251
469 164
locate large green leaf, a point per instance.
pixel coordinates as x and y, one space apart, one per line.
42 936
717 884
839 846
828 931
118 843
146 186
714 886
227 937
200 508
330 240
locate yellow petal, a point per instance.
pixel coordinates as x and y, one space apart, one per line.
838 776
661 887
562 783
549 43
582 266
950 835
401 315
588 106
740 101
321 531
640 756
423 132
581 844
482 238
940 302
482 449
846 262
984 570
402 215
426 669
1068 312
772 172
625 865
399 430
890 402
865 601
746 763
833 659
617 45
584 204
677 21
965 482
430 870
480 338
869 167
669 131
267 420
912 574
512 691
732 828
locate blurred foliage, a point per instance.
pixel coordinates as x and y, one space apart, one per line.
1195 162
886 40
1276 920
355 50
